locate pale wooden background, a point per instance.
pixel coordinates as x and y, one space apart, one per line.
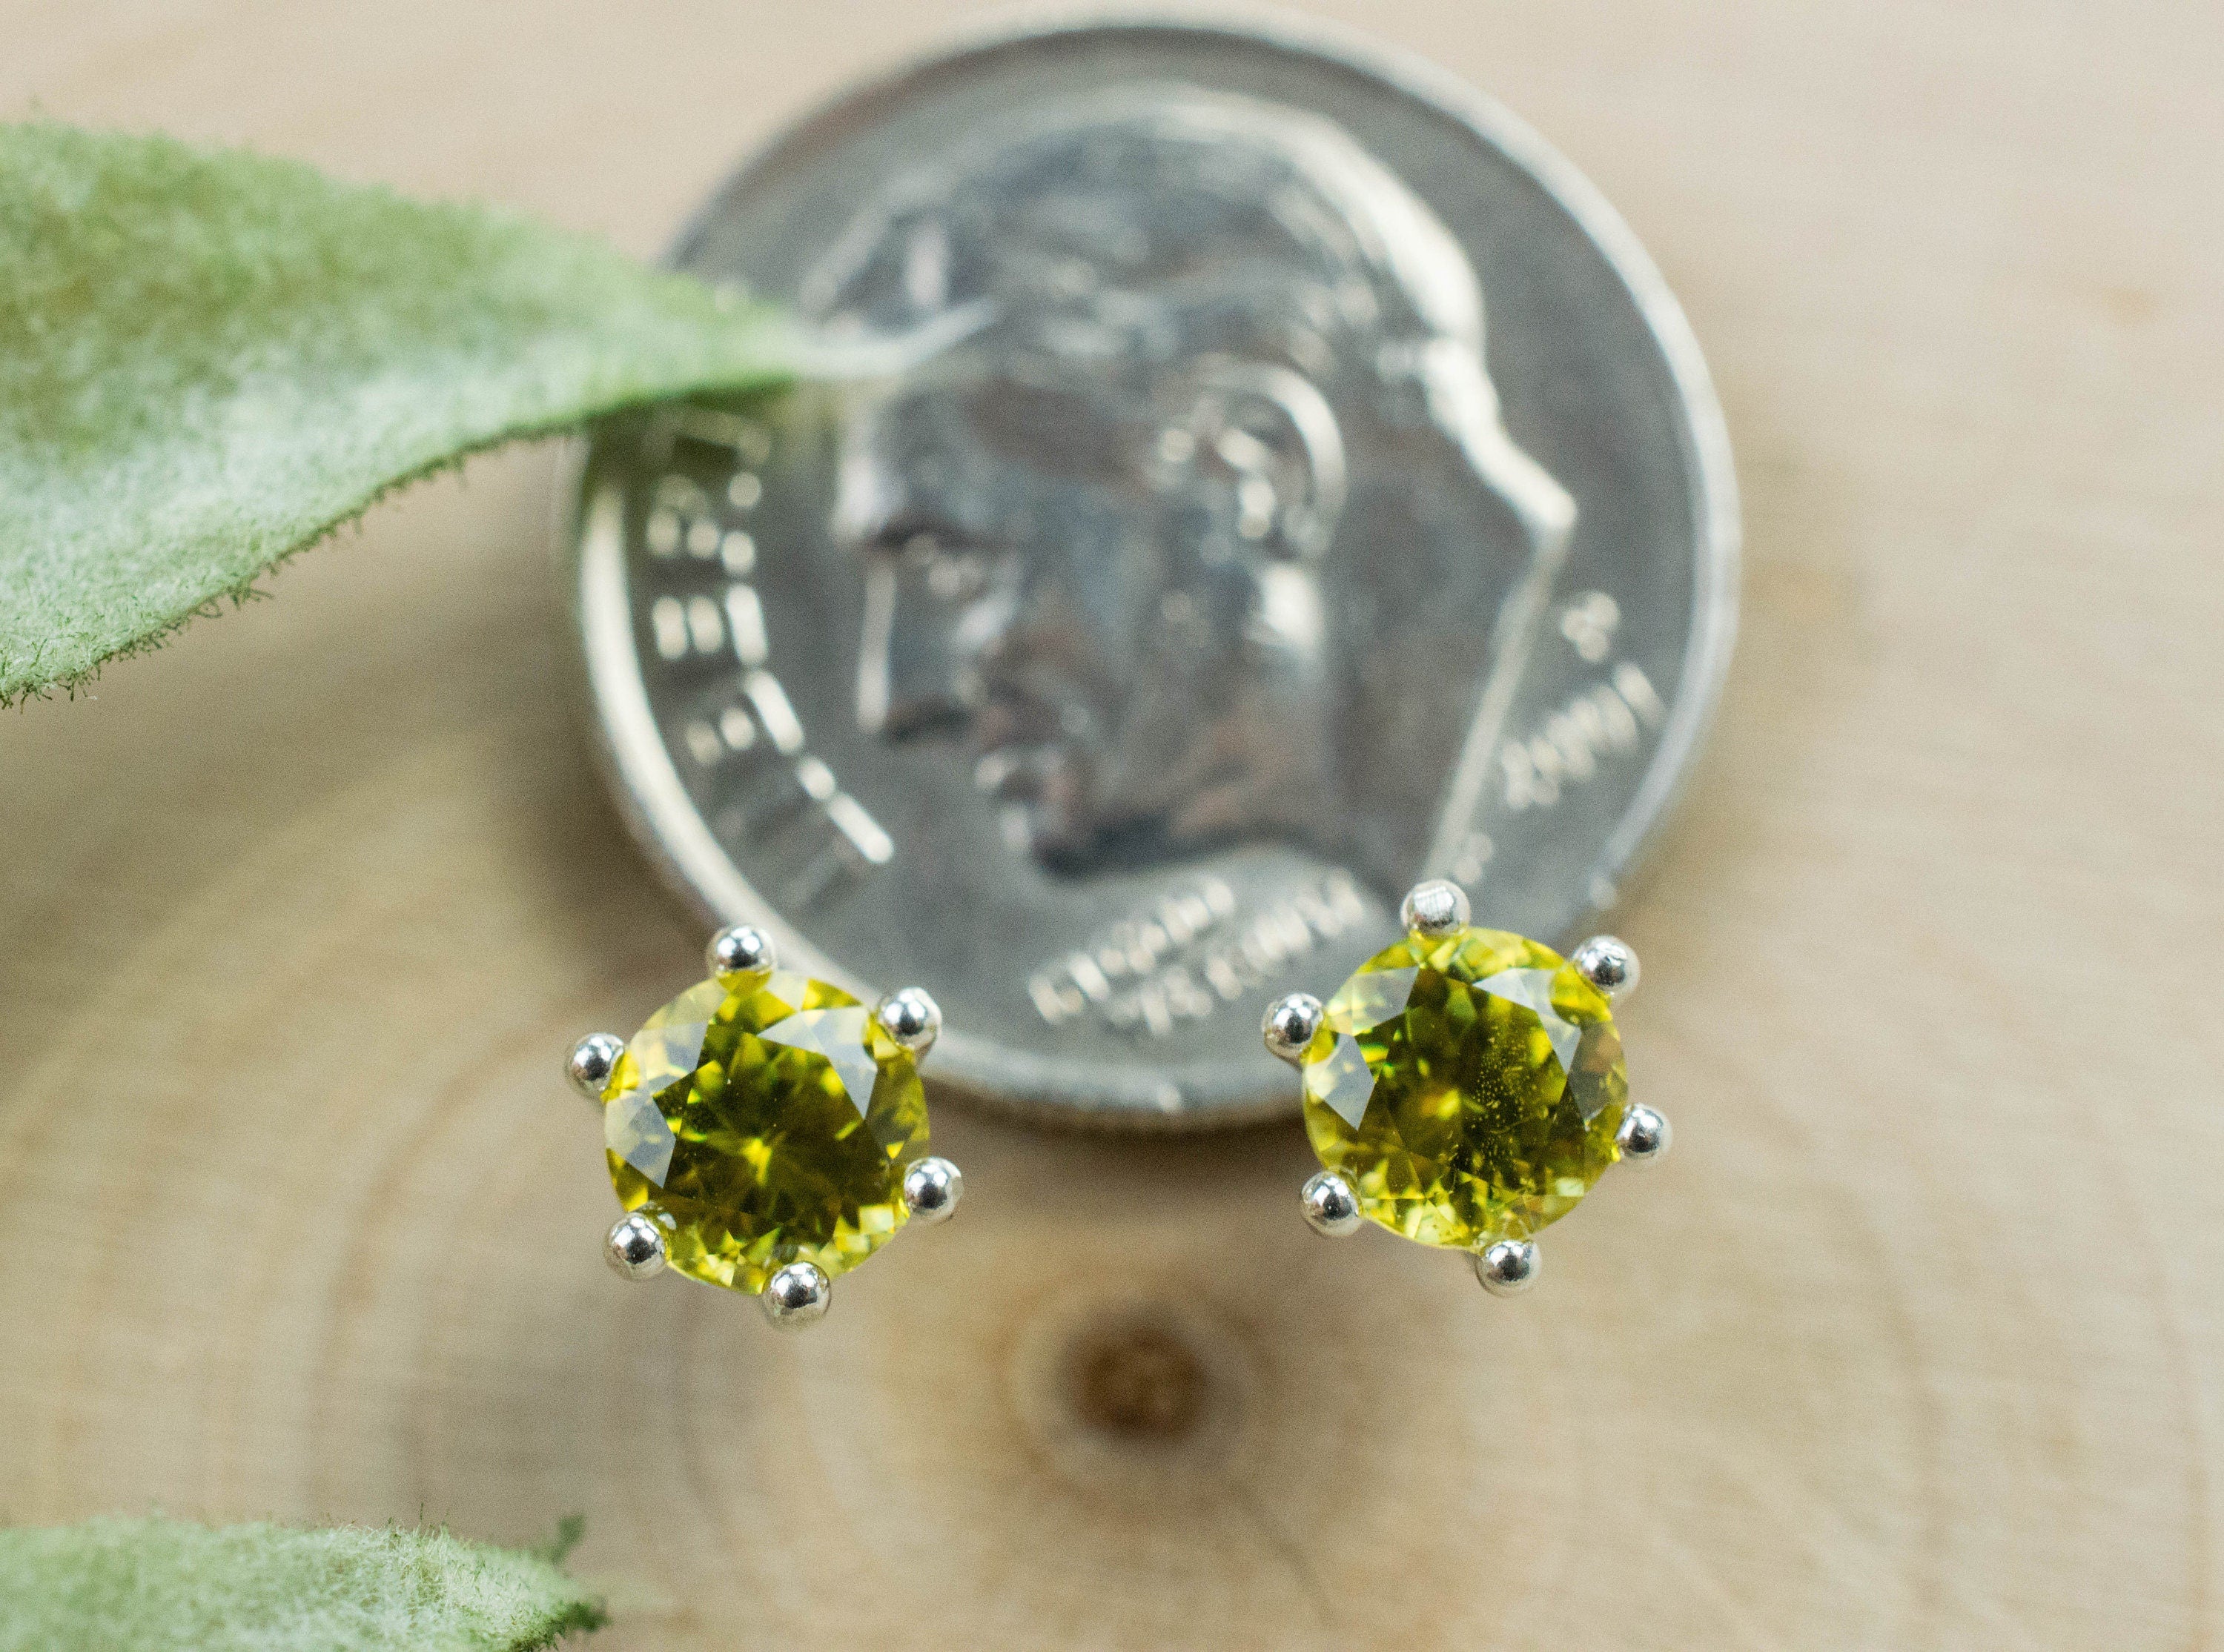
1916 1344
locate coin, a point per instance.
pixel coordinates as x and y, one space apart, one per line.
1273 476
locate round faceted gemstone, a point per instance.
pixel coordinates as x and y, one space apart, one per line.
1467 1085
761 1119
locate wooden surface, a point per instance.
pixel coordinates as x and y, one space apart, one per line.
1917 1342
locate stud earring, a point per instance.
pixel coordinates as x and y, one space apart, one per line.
765 1131
1466 1088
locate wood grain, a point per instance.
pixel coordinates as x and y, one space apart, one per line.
1917 1341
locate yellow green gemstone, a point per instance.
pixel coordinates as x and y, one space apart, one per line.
761 1119
1469 1087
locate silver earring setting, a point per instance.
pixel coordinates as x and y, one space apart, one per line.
1466 1088
765 1132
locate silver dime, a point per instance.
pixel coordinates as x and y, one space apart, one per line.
1278 477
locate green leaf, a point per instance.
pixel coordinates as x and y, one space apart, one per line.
162 1585
209 360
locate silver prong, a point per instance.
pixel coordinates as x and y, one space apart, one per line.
911 1017
634 1248
1330 1205
1436 907
1289 1024
932 1188
1643 1135
1508 1267
797 1296
591 1061
739 946
1609 964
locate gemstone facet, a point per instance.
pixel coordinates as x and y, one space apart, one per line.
1467 1085
763 1118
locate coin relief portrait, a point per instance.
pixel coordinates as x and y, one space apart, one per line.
1190 517
1234 484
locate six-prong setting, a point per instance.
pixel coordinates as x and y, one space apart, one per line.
799 1293
740 948
1643 1135
797 1296
911 1017
750 1084
1609 963
1289 1024
1437 907
931 1188
1331 1206
634 1248
1508 1266
593 1060
1465 1088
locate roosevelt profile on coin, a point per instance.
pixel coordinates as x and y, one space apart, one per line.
1192 512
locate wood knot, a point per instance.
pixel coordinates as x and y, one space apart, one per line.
1132 1394
1135 1378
